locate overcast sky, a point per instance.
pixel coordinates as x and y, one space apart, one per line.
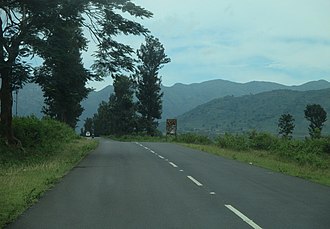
283 41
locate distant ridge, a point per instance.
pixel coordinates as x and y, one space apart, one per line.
181 98
254 112
177 99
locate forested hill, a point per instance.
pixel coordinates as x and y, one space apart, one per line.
177 99
181 98
260 112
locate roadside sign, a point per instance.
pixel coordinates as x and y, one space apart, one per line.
171 126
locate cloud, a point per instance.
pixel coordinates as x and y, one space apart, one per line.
283 41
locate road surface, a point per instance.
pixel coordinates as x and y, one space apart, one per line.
162 185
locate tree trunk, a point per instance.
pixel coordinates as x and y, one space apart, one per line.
6 107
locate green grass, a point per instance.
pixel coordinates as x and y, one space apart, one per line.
138 138
23 182
266 159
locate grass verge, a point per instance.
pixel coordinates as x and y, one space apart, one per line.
23 183
266 159
138 138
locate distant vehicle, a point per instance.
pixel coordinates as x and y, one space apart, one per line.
88 134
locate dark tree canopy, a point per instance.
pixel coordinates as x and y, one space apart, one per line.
63 76
286 125
317 116
88 126
26 27
123 106
152 58
101 120
117 117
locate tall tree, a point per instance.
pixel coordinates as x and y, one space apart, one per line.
124 107
118 115
152 58
286 125
101 120
317 116
20 28
63 76
26 24
88 126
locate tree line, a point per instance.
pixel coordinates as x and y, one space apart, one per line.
55 31
314 113
136 104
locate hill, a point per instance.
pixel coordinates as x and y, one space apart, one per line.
259 112
181 98
177 99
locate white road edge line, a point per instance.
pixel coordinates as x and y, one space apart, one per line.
195 181
174 165
243 217
160 156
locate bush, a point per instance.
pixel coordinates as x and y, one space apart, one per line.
262 141
308 152
236 142
193 139
33 132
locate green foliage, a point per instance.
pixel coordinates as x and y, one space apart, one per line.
101 120
88 126
260 112
117 117
123 106
152 58
317 116
63 76
304 152
193 138
237 142
286 125
120 115
35 133
262 140
54 31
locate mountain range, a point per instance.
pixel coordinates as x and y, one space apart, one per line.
254 112
177 99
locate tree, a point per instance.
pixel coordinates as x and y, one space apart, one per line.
152 58
20 29
101 120
286 125
118 115
123 107
63 76
88 125
26 25
317 116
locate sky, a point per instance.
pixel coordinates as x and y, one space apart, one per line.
283 41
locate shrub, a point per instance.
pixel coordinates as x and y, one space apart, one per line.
193 139
33 132
304 152
237 142
262 141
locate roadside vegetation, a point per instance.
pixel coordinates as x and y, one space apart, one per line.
49 150
308 158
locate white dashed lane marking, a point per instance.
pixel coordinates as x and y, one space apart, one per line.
195 181
243 217
174 165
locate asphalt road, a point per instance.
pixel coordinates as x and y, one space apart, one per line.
161 185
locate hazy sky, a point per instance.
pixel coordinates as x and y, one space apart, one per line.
284 41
